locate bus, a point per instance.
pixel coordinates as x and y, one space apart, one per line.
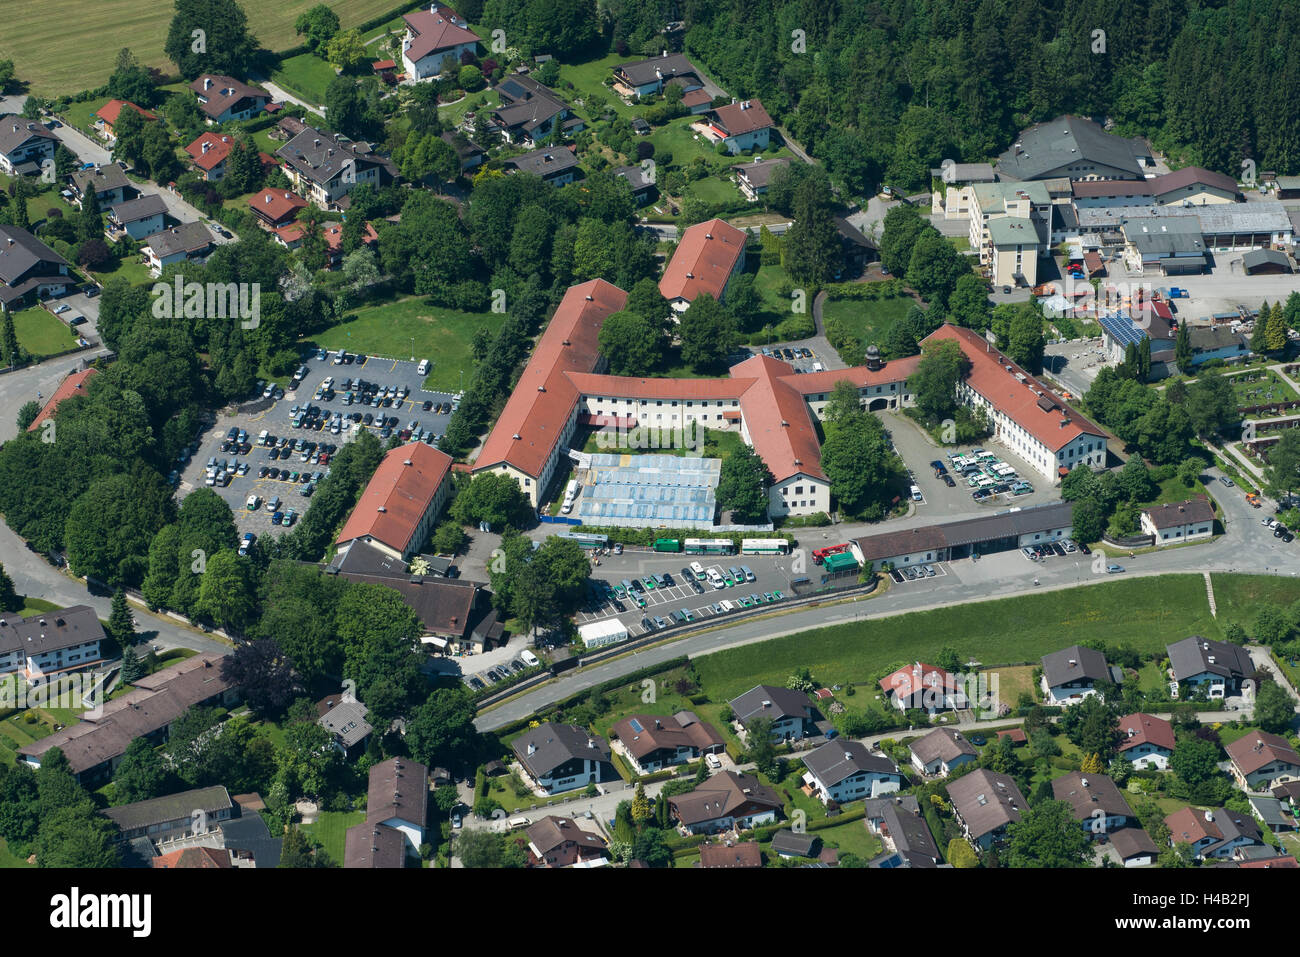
819 554
667 545
710 546
585 539
764 546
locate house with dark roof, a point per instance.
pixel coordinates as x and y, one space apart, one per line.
1134 847
1146 741
324 166
435 41
1071 674
563 757
1261 760
754 177
1216 833
1176 522
139 217
399 504
1075 148
1272 813
842 771
652 743
46 645
73 385
344 717
1095 802
398 798
786 843
925 687
984 803
470 154
109 182
557 165
791 712
172 817
941 750
740 126
194 858
904 832
1194 186
648 77
707 257
725 801
1266 262
742 854
530 112
368 845
223 98
560 842
1164 245
1218 665
1217 342
188 242
25 145
641 181
29 269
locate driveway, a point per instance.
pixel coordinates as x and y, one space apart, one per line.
280 95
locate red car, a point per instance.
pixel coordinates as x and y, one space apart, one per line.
324 458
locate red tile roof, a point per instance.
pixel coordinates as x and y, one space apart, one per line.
111 110
397 496
1016 398
626 387
736 119
1259 748
1138 728
539 408
276 204
778 420
816 383
75 384
695 98
435 31
1017 735
380 65
200 858
703 261
744 854
915 678
218 148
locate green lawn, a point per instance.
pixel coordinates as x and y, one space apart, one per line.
483 99
330 829
714 189
1267 386
440 335
1144 614
132 270
1238 597
717 445
867 319
851 838
305 75
589 78
40 333
81 115
8 859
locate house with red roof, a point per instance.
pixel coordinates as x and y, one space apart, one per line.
208 154
741 126
707 257
110 111
1145 741
435 40
923 686
399 504
275 207
74 384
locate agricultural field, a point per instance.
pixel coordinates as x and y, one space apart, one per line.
305 75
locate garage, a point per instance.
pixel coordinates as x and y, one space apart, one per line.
1266 262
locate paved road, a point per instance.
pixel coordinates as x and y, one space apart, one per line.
280 95
34 384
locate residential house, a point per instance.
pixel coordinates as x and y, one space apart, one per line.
46 645
653 743
641 181
904 832
173 817
924 687
1095 802
399 504
1217 342
325 166
344 717
435 41
530 113
25 145
1073 147
1070 675
557 166
1272 813
1218 665
941 750
470 154
398 798
29 269
275 207
843 771
741 126
1216 833
560 842
73 384
1175 522
368 845
1194 186
138 217
786 843
223 98
1146 741
984 803
791 712
755 177
109 182
107 115
707 257
208 154
563 757
1261 760
724 802
1134 847
188 242
648 77
743 854
697 102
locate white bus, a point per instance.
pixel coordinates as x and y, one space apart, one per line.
764 546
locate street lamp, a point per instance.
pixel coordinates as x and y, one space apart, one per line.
412 348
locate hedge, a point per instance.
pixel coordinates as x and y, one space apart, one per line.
678 843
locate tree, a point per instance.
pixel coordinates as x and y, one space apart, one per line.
968 305
1195 760
1274 709
934 383
812 244
470 78
1047 835
934 268
221 45
1275 337
1135 480
345 51
318 25
347 111
1091 764
264 674
12 353
442 728
141 775
1183 349
492 498
743 485
859 463
633 345
297 850
31 409
1093 727
1284 462
708 333
113 521
449 538
76 836
227 593
1211 405
651 848
477 849
641 807
961 854
902 226
759 745
121 625
132 668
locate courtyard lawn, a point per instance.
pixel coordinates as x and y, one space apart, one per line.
1238 597
717 444
330 828
305 75
1016 630
398 330
852 837
132 270
1012 682
869 320
40 333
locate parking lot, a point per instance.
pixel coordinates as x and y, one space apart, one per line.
294 459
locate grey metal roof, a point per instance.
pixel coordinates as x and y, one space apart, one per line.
172 807
786 841
20 251
550 161
49 631
1075 663
784 703
1191 657
759 173
1165 236
249 832
911 836
1270 811
1260 257
643 72
347 722
15 131
185 238
150 204
1048 146
986 801
836 760
971 531
105 178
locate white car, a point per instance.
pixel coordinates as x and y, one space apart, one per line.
60 309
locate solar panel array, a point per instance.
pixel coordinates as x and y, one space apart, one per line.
1122 330
643 491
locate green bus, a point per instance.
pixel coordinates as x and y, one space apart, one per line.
667 545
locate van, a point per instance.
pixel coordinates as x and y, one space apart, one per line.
817 367
749 573
715 579
627 587
528 658
735 574
273 504
422 368
697 570
713 761
916 493
518 822
263 436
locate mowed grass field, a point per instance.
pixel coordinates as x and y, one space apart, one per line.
63 46
1144 614
40 333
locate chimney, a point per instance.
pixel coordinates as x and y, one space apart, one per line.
1083 781
207 83
1209 817
532 749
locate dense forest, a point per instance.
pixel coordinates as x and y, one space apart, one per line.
885 89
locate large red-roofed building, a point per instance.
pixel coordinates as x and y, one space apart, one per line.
74 384
706 258
401 501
